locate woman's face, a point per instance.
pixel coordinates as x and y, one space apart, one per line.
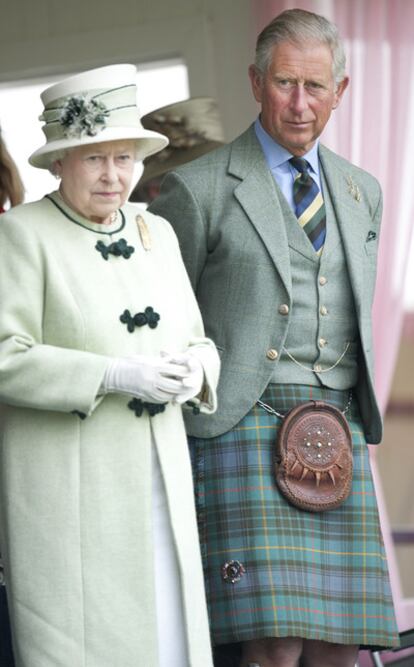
96 179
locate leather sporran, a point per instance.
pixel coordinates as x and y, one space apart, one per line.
313 458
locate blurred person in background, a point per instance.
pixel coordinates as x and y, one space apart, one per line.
11 186
192 127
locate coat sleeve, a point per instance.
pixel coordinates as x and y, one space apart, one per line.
207 353
198 344
32 373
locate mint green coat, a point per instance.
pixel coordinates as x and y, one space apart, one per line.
75 493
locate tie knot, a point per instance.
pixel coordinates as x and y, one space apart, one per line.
300 164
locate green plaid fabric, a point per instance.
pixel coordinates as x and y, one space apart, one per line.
318 576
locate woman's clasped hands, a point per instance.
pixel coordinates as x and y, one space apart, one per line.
166 378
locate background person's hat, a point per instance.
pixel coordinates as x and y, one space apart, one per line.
92 107
193 128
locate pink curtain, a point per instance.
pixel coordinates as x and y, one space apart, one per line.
374 128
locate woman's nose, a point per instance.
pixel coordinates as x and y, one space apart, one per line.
110 172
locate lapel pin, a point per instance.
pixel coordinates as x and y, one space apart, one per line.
371 236
143 232
353 189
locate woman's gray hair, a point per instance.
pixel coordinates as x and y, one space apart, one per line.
299 26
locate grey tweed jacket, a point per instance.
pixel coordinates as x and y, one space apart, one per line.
225 210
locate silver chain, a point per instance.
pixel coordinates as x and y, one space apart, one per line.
271 411
322 370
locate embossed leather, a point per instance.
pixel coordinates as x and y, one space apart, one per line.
313 457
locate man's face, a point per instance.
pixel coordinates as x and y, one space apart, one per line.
297 94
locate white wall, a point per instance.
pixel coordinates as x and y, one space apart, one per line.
215 38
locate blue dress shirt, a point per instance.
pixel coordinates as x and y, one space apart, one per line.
277 159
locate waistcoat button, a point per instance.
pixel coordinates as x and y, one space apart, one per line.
323 310
322 342
323 280
284 309
272 354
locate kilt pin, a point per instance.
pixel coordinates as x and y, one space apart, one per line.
272 570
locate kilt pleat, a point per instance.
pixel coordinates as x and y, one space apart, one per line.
319 576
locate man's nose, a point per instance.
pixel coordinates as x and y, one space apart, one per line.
299 98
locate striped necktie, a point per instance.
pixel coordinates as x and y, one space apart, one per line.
309 205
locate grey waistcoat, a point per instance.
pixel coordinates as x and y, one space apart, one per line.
322 319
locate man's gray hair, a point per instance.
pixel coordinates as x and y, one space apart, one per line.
299 26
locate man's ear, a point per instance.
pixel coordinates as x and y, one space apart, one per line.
256 81
342 86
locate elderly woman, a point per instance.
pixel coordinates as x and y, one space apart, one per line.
101 342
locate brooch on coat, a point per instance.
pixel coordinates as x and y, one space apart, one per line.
143 232
353 189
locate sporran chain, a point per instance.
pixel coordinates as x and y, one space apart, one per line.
271 411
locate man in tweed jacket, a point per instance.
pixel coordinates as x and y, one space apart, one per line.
291 324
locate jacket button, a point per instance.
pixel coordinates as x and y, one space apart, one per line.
323 310
272 354
323 280
317 368
284 309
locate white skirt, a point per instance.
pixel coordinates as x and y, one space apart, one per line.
172 644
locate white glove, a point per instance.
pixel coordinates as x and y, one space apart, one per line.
193 379
152 379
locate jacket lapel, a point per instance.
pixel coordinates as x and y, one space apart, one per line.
350 217
258 196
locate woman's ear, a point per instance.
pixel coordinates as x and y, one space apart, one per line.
56 168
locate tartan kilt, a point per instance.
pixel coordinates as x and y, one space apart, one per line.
320 576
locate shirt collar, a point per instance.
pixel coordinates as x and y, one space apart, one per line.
276 155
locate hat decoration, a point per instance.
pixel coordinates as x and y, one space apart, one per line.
83 115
